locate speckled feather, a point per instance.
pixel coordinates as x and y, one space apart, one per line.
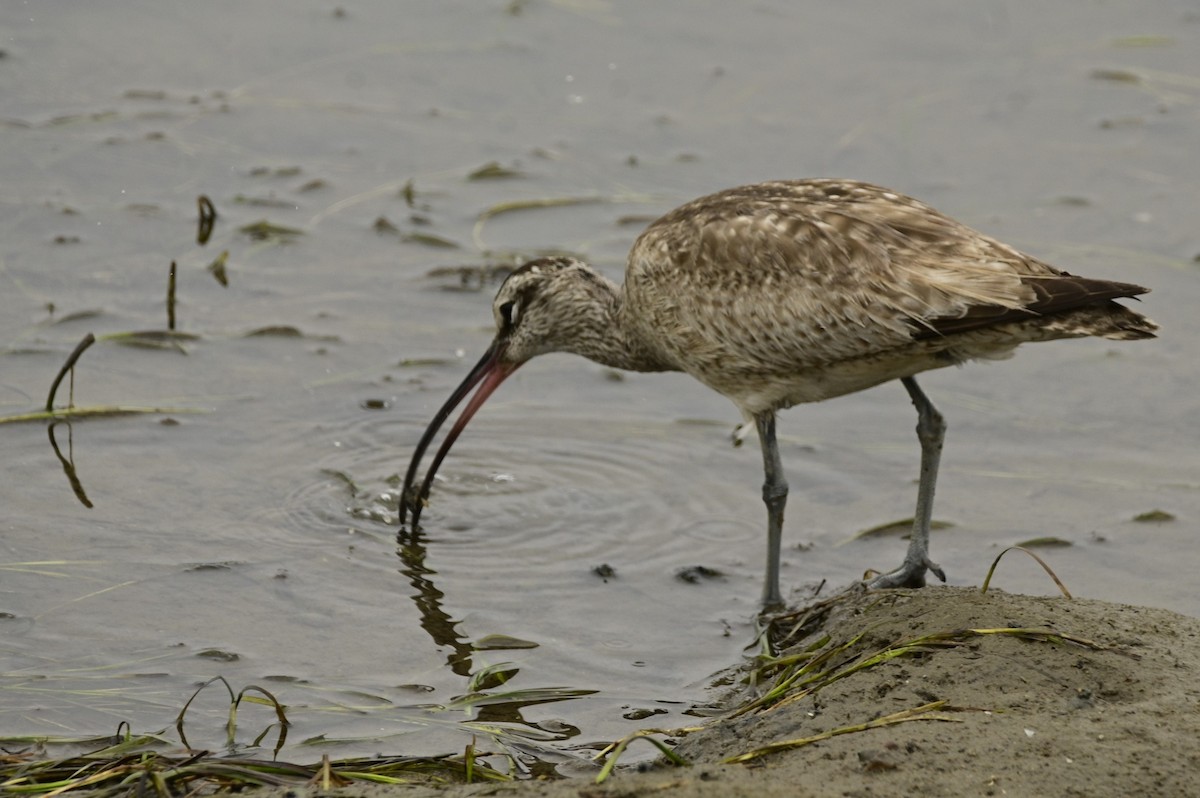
797 291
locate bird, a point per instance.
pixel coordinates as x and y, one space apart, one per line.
788 292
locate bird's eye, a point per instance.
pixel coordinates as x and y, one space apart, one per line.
508 312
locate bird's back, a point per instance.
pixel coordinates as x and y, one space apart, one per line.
792 291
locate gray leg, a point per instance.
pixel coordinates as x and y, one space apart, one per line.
775 490
931 430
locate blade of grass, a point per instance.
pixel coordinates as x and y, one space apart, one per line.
987 580
188 703
171 298
68 365
904 716
613 752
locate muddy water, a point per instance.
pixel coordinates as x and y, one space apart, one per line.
245 530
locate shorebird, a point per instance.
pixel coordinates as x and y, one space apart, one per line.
787 292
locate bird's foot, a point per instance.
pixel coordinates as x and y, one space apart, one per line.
909 574
771 605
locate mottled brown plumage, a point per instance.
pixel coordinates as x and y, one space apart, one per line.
787 292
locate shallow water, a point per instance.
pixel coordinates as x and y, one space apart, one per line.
253 539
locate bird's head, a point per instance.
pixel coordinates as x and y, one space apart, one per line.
541 307
537 310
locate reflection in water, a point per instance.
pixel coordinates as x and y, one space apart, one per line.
68 463
497 714
510 712
410 546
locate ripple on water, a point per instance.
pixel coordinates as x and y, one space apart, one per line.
584 488
524 511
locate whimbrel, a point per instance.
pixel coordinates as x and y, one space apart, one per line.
787 292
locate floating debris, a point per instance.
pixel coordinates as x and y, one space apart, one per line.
409 362
145 94
78 315
275 331
642 713
217 269
278 171
494 171
263 202
639 219
152 339
1116 75
904 525
694 574
472 277
605 571
263 230
429 240
502 643
384 225
1045 543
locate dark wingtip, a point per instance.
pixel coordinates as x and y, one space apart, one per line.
1055 294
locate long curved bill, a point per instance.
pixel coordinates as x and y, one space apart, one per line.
488 373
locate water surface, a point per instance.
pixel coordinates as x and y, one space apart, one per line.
247 529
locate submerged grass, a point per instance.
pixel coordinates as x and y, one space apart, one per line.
161 763
116 771
127 764
246 751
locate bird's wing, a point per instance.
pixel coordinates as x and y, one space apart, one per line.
814 272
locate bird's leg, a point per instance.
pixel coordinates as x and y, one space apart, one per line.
775 490
931 431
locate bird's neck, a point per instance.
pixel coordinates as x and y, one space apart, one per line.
603 332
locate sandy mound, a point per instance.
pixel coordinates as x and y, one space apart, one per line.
1024 715
1004 695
